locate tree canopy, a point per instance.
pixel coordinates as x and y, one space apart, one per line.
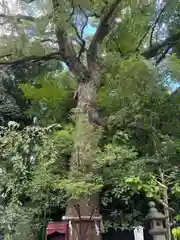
56 73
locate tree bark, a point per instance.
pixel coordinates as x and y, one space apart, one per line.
166 213
166 207
85 143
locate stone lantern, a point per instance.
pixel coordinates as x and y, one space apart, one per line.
156 223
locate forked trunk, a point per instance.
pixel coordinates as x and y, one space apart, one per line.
83 214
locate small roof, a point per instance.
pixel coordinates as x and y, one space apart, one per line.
153 213
56 227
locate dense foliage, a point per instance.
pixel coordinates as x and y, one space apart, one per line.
134 157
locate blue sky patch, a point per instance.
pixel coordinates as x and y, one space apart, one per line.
89 30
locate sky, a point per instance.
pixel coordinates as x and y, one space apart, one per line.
11 5
174 86
89 30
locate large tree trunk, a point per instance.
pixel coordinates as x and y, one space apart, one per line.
81 228
86 226
166 206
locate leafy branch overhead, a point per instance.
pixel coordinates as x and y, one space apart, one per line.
72 45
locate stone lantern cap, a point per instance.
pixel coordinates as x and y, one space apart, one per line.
154 214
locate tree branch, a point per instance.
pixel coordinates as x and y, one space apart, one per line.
86 22
153 50
156 22
163 55
102 31
48 40
77 33
67 51
119 49
48 57
69 57
95 15
142 39
164 204
7 55
28 1
17 17
79 36
81 41
82 32
152 28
